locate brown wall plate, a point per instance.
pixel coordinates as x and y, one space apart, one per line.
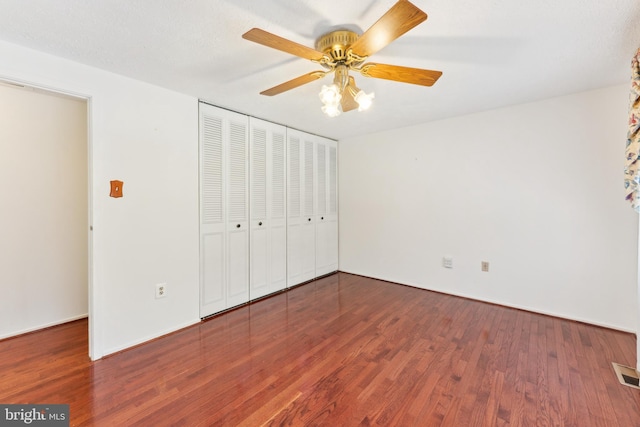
116 188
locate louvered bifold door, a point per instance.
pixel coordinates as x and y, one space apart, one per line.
212 224
332 206
294 207
277 208
327 207
224 241
267 208
238 210
322 235
308 226
258 233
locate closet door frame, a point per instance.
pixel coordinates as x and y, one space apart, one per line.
268 208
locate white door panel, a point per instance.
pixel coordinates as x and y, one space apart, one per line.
213 271
238 280
259 272
279 253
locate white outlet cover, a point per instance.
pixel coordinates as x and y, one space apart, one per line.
447 262
161 290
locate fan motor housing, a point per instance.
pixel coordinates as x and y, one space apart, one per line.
336 43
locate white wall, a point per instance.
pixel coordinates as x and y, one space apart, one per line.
535 189
147 137
43 220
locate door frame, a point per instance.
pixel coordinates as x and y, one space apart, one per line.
91 306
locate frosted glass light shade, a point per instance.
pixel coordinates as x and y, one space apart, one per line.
331 110
364 101
330 95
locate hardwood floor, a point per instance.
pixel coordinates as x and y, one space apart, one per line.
340 351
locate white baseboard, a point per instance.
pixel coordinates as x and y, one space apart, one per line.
501 303
148 338
43 326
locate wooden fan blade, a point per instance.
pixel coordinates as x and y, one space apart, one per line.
292 84
416 76
348 102
276 42
402 17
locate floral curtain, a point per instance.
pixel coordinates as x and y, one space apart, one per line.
631 173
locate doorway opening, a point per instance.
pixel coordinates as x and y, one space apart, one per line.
45 253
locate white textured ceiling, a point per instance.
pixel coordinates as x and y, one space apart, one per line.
493 53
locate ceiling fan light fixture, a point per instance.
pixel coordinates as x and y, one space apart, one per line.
364 101
341 51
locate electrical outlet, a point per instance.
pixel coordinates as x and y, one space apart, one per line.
485 265
447 262
161 290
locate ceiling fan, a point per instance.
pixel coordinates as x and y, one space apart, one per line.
342 51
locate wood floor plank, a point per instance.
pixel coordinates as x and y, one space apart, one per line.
343 350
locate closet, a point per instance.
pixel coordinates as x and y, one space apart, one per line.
312 214
268 208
